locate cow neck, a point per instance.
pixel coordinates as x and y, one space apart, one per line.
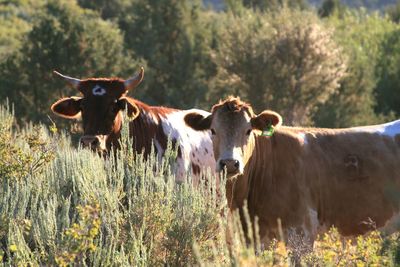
237 188
275 177
147 129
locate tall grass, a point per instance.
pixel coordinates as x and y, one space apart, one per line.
61 205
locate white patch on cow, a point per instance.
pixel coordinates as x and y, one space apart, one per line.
98 90
312 228
150 117
390 129
303 138
192 143
392 225
314 222
160 150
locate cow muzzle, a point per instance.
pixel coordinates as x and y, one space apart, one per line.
231 166
94 142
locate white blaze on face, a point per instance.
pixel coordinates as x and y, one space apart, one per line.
98 90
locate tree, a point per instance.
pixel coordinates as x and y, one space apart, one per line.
394 12
388 70
15 19
108 9
174 38
264 5
330 7
286 61
66 38
360 35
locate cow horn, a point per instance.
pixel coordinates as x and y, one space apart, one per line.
133 82
72 81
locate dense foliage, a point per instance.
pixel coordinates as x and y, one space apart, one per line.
77 209
333 66
285 60
318 63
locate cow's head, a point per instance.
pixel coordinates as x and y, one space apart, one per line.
100 107
233 126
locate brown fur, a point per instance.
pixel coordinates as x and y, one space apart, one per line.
99 116
351 179
144 130
234 105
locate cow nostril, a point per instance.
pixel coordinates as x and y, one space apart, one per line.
222 164
236 164
95 142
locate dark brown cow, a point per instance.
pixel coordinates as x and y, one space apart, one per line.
310 178
100 107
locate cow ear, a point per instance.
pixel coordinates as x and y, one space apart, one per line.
197 121
68 108
133 109
266 119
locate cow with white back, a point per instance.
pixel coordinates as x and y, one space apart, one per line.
101 108
309 178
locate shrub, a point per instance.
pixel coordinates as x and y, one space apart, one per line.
361 35
286 61
333 250
79 209
23 154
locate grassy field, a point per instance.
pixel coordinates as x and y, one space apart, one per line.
65 206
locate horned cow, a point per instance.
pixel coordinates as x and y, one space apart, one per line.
100 106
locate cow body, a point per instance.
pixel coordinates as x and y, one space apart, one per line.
101 107
154 125
313 179
309 178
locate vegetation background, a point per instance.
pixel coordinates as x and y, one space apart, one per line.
319 63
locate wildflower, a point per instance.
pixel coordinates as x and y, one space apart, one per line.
13 248
92 247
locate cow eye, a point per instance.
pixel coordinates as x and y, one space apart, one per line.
119 105
248 132
212 131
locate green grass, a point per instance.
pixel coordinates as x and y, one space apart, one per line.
66 206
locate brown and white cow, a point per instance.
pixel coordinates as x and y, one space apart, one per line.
101 106
310 178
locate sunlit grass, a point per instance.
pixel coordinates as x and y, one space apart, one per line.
60 205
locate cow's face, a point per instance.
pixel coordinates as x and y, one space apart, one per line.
100 108
233 126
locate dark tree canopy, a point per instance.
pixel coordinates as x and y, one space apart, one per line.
64 37
335 66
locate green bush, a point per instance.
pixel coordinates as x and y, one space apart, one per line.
361 35
81 209
23 154
76 208
285 60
